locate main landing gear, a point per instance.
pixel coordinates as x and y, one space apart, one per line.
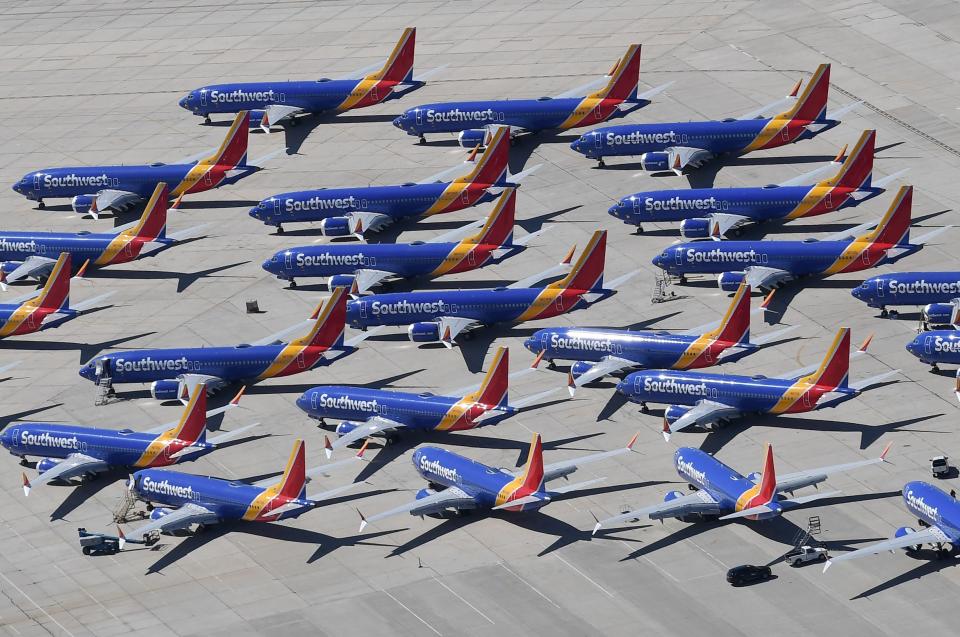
600 163
423 140
639 229
207 120
293 284
643 407
279 229
40 204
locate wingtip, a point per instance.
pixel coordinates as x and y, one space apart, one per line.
26 484
596 527
236 399
571 384
765 304
666 429
796 89
827 565
363 521
177 202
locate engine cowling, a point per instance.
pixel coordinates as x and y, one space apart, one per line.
904 531
82 203
9 266
340 281
755 477
45 464
166 389
256 118
730 281
580 368
160 512
346 427
673 413
941 313
474 137
655 162
424 332
335 227
699 228
425 493
673 495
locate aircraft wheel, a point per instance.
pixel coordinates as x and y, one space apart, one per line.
422 140
293 284
884 313
279 229
894 314
639 229
40 204
87 550
683 279
935 367
23 461
600 163
644 408
206 119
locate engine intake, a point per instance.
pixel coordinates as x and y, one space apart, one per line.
655 162
673 413
730 281
166 389
340 281
580 368
335 227
699 228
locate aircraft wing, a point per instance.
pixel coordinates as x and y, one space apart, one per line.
371 427
179 519
564 468
703 413
604 367
361 222
726 221
679 157
761 277
32 266
451 498
793 481
367 278
451 326
86 304
73 465
117 199
274 113
696 502
929 535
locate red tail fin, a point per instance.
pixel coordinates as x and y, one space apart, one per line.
624 78
894 228
812 103
498 230
331 318
768 479
533 472
491 166
233 149
835 368
293 482
153 222
494 389
399 66
857 168
55 294
587 272
193 423
735 326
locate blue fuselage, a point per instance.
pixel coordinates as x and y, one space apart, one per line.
312 96
716 137
452 117
725 485
15 247
908 288
934 507
936 346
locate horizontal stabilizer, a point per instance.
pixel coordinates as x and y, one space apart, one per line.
530 499
576 486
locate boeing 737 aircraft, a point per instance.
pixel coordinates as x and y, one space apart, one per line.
936 346
679 145
461 484
709 400
26 254
94 189
377 412
271 102
714 212
47 308
937 292
439 316
72 451
937 512
363 267
172 372
612 96
768 264
599 352
353 211
722 493
186 500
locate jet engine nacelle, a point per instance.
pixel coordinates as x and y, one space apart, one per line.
655 162
674 412
730 281
340 281
906 530
10 266
256 118
160 512
424 332
346 427
580 368
82 203
335 227
45 464
425 493
166 389
942 313
673 495
755 477
474 137
699 228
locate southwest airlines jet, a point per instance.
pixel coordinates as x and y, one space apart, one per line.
612 96
937 346
714 212
355 210
598 352
26 253
72 451
675 146
938 514
439 316
722 493
271 102
361 267
937 292
172 372
47 308
376 412
769 264
460 484
94 189
708 400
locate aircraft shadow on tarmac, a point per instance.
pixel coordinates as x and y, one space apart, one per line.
933 562
184 279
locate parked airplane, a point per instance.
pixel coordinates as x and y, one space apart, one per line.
936 346
439 316
611 97
599 352
365 266
25 254
768 264
938 514
94 189
708 400
722 493
75 451
675 146
937 292
270 103
457 483
715 212
172 372
376 412
47 308
186 499
356 210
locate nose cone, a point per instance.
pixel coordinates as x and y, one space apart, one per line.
17 189
255 212
622 387
531 344
914 346
6 438
86 372
857 293
658 261
616 210
183 102
304 401
577 144
400 122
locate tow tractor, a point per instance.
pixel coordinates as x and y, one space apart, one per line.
103 544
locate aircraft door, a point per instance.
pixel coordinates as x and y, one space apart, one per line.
207 179
472 258
465 196
558 302
928 345
419 116
363 309
36 182
102 368
828 201
283 97
288 260
636 205
543 341
313 400
880 288
598 140
785 133
16 435
806 400
865 256
203 98
301 363
679 257
374 93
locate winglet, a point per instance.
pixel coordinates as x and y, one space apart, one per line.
596 527
176 202
633 441
571 384
666 429
883 455
569 258
536 364
26 484
865 345
82 270
363 522
364 448
957 388
765 305
328 447
839 158
121 538
796 89
446 339
473 154
827 565
236 399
